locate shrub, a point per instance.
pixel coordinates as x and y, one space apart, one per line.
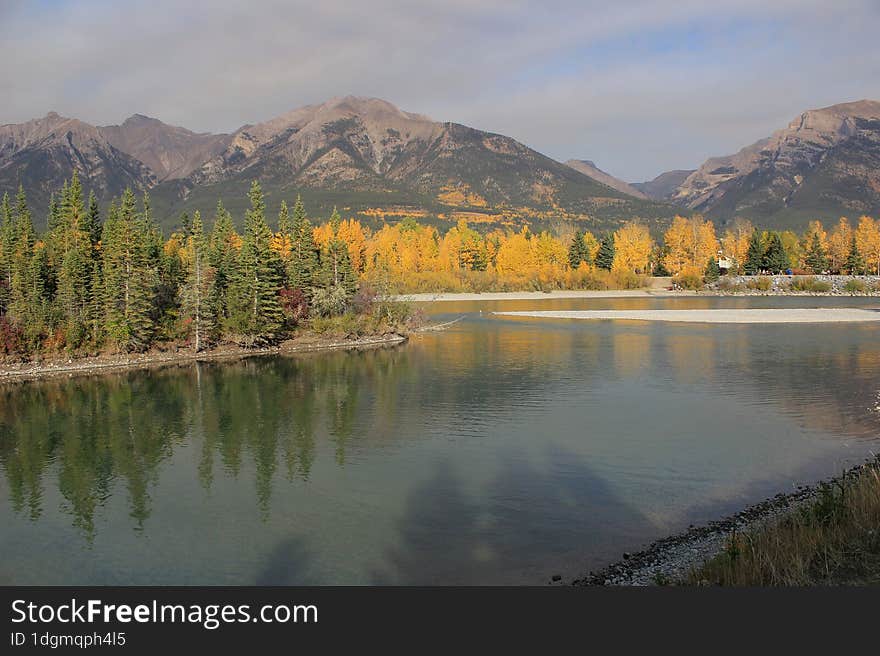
725 284
11 338
330 301
855 286
295 305
810 284
689 278
760 283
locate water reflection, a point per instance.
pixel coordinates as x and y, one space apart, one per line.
493 452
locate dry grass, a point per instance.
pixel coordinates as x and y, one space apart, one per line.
834 540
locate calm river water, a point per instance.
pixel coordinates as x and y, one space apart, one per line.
498 451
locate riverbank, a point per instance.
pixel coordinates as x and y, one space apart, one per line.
646 292
63 366
697 555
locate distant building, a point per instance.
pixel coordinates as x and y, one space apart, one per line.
725 264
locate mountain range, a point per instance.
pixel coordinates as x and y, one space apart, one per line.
376 161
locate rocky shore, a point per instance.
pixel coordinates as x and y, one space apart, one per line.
782 285
48 366
668 560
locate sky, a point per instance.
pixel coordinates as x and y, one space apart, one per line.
639 87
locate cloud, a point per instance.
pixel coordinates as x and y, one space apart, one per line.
638 86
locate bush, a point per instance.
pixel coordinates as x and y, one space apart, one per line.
760 283
330 301
725 284
810 284
11 337
295 306
855 286
689 278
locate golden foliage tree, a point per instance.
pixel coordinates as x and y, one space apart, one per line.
689 243
632 247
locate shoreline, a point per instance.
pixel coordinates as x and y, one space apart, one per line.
668 560
97 364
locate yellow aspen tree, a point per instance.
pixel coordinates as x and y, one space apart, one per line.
839 244
868 243
632 247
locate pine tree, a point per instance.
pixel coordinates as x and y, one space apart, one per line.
197 305
855 263
775 259
578 251
754 255
816 259
28 298
605 256
302 266
255 312
223 247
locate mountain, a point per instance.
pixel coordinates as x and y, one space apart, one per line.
590 170
170 152
42 153
364 155
824 164
369 156
664 185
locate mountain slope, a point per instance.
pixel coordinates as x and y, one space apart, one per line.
170 152
589 169
371 156
42 153
664 185
825 163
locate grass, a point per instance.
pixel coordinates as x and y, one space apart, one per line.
759 283
855 286
810 284
834 540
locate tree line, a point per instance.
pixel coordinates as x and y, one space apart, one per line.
88 283
94 281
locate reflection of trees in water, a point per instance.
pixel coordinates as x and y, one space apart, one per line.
261 415
264 413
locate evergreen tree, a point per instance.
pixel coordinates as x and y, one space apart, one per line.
855 263
130 274
605 256
255 312
754 255
197 298
578 251
302 266
28 298
775 260
223 259
816 259
713 271
6 251
72 250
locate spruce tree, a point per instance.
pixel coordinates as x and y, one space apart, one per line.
197 298
605 256
255 313
223 258
72 246
754 255
816 259
130 274
577 251
713 271
775 260
6 251
855 263
302 266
